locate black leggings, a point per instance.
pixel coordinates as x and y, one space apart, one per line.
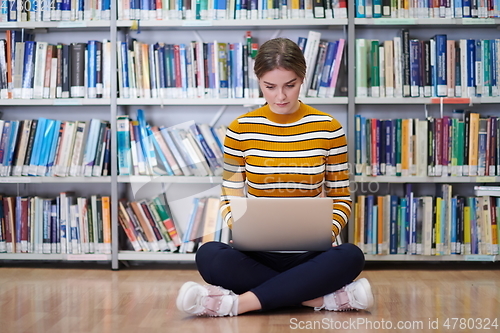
279 279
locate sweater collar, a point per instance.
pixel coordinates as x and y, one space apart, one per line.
285 118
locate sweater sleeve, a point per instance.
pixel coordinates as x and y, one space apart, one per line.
233 176
337 179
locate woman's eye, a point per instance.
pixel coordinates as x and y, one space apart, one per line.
269 87
291 85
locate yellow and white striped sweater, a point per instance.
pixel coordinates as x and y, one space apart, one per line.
303 154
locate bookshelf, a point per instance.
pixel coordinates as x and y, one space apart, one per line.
168 111
422 28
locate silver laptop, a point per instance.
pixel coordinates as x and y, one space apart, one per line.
282 224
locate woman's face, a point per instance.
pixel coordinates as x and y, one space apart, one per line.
281 89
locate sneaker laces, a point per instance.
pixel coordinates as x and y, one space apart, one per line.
342 299
212 302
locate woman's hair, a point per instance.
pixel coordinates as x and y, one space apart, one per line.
280 53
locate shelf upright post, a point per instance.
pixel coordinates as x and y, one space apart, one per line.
114 166
351 106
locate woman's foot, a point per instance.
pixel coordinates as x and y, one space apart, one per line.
207 300
354 296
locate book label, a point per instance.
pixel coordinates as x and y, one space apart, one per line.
479 257
393 21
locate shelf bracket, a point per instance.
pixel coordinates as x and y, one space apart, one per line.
218 115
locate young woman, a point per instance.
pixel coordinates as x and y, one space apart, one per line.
283 149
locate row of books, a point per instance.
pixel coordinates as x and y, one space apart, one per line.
33 69
48 147
230 10
428 147
205 225
47 10
192 70
425 225
324 65
148 225
427 9
185 149
407 67
67 224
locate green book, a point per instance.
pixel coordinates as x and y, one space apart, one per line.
374 69
361 68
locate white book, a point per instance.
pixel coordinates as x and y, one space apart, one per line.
25 130
106 69
389 68
53 77
17 77
77 155
83 224
75 229
398 74
310 54
40 61
66 148
196 155
89 153
212 143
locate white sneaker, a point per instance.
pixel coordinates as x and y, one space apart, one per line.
207 300
354 296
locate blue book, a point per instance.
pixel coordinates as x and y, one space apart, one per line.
458 8
37 146
66 10
413 226
207 151
237 70
46 229
11 147
177 137
91 69
161 156
301 42
187 233
393 232
123 145
453 227
377 8
89 153
28 69
494 67
471 67
402 239
4 140
175 151
48 138
328 68
415 68
473 201
12 12
374 229
389 162
183 73
466 8
54 227
145 141
486 67
162 82
58 132
360 9
357 144
479 68
441 85
368 223
124 69
106 10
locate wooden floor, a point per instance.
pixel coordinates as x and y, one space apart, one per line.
419 298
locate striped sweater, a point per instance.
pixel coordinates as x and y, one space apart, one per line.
303 154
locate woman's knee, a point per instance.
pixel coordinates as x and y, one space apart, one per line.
205 257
